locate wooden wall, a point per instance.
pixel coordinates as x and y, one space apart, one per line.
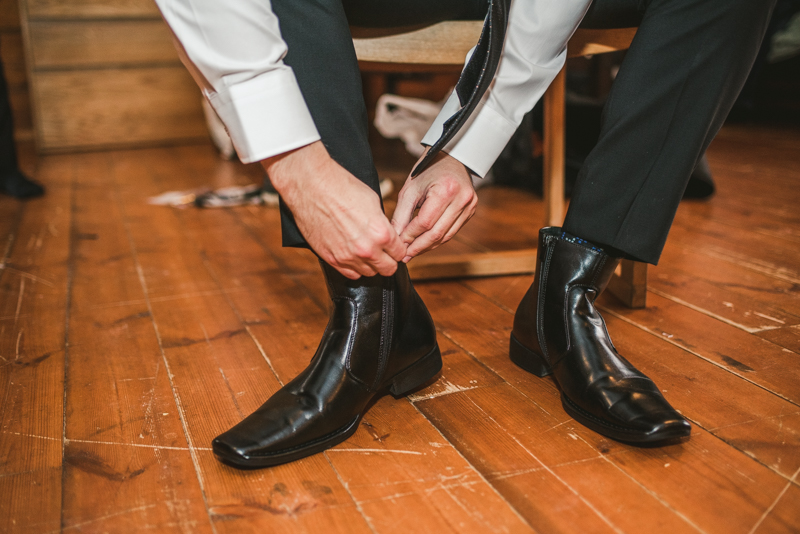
104 73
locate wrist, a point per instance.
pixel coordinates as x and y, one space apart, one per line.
290 170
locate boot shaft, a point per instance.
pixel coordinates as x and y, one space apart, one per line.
570 273
381 320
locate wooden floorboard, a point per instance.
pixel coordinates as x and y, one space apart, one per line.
131 335
675 370
132 448
35 281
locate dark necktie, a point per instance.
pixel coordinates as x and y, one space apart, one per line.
475 78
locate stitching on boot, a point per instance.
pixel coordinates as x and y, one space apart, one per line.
387 306
540 305
597 270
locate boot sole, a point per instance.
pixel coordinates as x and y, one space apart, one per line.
619 433
406 380
536 364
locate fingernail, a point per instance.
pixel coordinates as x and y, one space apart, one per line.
406 259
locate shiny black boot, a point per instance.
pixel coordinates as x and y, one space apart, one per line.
558 330
379 337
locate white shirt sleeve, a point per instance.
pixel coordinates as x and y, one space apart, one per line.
534 52
234 50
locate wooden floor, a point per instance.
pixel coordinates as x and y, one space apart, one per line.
130 335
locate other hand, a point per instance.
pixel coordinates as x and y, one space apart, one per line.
446 200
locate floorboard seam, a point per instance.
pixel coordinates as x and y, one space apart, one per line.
12 239
175 396
774 503
210 270
475 469
68 304
344 484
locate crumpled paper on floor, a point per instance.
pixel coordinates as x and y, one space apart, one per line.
231 196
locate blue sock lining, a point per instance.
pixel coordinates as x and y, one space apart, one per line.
578 241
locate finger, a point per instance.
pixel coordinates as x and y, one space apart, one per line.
386 265
351 265
436 234
348 273
432 209
364 269
462 219
407 202
395 248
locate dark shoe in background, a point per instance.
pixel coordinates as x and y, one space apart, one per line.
20 186
559 331
380 338
701 183
12 181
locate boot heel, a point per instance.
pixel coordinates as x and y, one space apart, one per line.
527 359
417 374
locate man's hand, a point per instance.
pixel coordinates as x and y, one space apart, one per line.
340 217
446 200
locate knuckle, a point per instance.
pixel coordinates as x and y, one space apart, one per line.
333 259
450 187
388 269
382 235
362 251
436 235
426 223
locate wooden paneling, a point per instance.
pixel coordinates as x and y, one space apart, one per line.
112 107
77 44
91 8
105 73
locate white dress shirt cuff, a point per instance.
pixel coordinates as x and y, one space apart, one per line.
266 115
480 141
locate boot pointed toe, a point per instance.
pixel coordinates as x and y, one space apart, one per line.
671 427
230 453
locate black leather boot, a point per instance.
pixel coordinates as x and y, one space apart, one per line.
379 337
558 330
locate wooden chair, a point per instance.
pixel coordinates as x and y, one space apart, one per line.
447 44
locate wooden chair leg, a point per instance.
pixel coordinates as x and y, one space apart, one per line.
630 286
554 111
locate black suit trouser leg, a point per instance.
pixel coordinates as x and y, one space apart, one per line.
8 152
322 56
679 80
